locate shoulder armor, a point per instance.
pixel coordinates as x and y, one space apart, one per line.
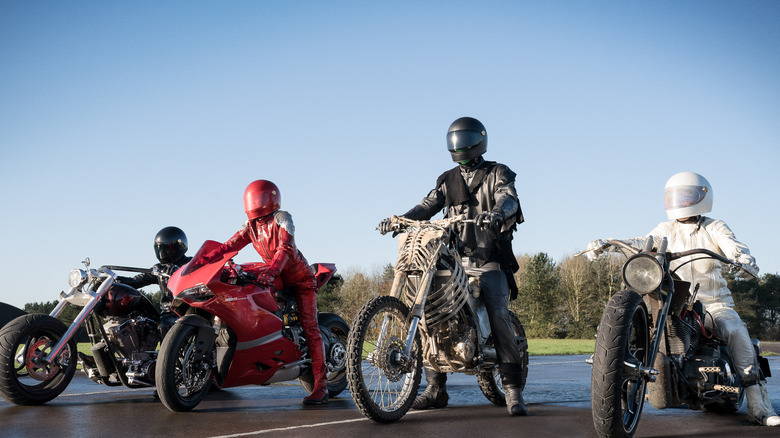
284 219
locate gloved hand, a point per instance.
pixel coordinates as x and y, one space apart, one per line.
489 219
750 267
211 256
593 251
266 277
385 226
167 270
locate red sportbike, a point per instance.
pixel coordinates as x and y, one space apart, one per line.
233 332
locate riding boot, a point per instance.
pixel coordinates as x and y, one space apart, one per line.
760 410
512 380
435 394
319 394
307 312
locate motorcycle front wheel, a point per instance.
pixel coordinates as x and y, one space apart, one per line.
27 375
622 345
490 381
182 379
382 380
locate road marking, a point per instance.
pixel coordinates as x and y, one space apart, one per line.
125 391
302 426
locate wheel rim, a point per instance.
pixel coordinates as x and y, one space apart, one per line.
337 357
634 385
191 376
387 374
30 368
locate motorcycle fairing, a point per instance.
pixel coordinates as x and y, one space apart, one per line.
261 351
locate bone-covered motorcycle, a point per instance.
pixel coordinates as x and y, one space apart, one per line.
433 314
234 332
654 343
38 353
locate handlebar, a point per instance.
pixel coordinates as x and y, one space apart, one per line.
400 222
127 268
609 243
671 255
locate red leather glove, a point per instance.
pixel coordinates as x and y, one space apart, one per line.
209 257
266 277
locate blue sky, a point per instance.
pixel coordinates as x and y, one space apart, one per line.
120 118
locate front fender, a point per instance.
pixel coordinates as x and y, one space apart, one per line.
206 334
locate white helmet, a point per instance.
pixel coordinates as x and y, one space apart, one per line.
687 194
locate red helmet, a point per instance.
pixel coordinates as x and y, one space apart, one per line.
261 198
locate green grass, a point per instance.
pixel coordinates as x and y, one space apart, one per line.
536 347
546 347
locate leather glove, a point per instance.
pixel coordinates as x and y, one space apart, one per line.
750 267
385 226
489 219
211 256
168 270
593 251
266 277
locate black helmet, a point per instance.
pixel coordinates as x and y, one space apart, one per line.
466 139
170 244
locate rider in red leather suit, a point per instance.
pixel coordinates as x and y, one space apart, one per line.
271 232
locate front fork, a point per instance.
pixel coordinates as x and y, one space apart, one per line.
646 371
81 317
416 312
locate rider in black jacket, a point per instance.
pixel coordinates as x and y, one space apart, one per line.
484 191
170 246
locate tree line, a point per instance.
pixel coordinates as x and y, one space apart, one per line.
555 300
566 299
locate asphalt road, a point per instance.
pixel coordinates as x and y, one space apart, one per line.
558 395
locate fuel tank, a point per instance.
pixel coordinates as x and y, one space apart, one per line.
123 300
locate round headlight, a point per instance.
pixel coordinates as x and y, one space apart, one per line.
77 277
642 273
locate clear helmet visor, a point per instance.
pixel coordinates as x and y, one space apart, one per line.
684 196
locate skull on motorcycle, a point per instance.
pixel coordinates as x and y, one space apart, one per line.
687 194
261 198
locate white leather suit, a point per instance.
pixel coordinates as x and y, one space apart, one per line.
715 235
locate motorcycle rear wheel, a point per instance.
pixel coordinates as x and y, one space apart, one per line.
617 394
182 381
382 382
25 379
490 381
335 357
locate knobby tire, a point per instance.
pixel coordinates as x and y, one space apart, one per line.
380 388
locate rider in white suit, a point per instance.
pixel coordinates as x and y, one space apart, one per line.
687 197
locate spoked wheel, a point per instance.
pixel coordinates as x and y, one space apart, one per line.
334 334
490 381
182 378
27 375
622 346
382 380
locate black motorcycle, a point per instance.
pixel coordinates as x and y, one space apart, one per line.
653 344
38 353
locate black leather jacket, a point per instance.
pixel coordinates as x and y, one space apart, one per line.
488 186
